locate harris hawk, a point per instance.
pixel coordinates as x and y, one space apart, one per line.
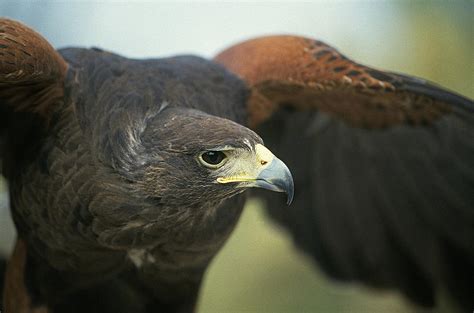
127 176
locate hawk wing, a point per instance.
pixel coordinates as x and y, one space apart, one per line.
31 83
383 165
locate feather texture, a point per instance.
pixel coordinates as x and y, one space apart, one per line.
383 165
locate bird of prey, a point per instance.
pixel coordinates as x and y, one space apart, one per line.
127 176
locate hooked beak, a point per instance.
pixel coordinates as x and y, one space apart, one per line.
276 177
263 170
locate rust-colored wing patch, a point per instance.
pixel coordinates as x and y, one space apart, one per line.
31 71
16 297
305 73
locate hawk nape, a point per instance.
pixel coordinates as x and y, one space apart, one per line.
127 176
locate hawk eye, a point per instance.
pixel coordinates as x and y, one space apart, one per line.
212 159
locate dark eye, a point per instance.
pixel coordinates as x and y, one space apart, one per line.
213 159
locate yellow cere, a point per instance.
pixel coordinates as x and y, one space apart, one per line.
246 169
264 156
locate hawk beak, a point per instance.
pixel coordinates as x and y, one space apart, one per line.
276 177
265 171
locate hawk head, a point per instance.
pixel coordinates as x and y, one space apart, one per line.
196 158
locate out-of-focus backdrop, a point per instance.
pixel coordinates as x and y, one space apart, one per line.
259 270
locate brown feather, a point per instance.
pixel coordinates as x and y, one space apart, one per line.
308 74
16 297
382 163
31 71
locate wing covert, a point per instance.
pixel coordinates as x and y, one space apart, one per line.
31 84
383 165
31 71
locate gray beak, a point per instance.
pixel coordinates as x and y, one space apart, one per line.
276 177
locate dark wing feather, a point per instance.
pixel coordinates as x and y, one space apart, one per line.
31 83
383 165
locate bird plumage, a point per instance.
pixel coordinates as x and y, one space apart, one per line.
384 167
111 176
111 202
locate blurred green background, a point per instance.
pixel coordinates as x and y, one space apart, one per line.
259 270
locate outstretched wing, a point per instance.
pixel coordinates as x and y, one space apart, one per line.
31 82
383 165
